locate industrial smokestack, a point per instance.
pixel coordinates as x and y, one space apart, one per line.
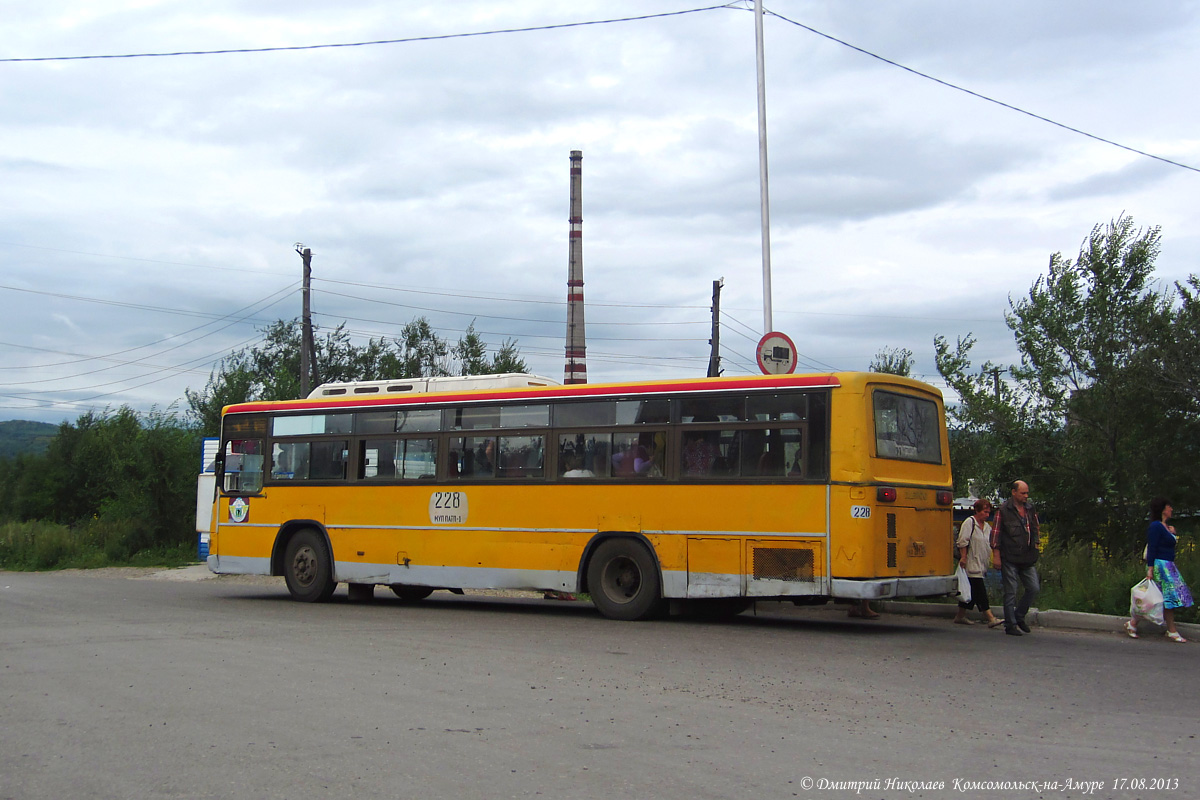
576 365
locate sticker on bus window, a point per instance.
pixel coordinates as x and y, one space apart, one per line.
860 512
448 508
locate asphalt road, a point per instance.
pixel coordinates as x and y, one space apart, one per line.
115 687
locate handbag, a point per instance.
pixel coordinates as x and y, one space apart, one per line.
1146 601
964 585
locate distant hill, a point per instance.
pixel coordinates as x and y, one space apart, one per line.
23 436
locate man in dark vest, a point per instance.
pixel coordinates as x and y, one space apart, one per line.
1015 535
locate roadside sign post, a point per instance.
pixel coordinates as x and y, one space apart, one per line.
776 354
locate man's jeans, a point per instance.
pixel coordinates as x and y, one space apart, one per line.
1010 574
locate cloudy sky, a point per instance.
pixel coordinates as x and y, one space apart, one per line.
151 205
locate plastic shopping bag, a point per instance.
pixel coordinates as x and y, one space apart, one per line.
1146 601
964 586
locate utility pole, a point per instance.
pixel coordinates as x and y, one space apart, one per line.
765 194
714 357
996 381
307 350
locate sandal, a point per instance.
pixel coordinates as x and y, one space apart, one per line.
1175 637
1131 629
963 621
996 623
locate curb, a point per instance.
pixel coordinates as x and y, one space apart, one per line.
1050 618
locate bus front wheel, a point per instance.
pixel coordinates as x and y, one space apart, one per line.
623 580
308 568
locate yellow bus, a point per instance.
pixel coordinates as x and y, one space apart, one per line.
705 493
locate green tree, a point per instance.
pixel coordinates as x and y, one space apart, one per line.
423 354
1079 420
134 476
508 359
894 361
270 370
233 381
471 353
1177 349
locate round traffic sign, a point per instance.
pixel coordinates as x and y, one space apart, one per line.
776 354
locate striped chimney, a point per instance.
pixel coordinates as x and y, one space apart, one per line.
576 364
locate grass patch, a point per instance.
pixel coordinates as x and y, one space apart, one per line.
37 545
1077 577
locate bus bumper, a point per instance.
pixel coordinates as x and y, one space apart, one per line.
926 586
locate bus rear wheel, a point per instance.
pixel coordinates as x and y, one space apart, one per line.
308 568
623 580
411 593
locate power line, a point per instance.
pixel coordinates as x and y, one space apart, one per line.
1000 103
110 356
407 40
240 270
174 371
733 5
184 312
496 297
474 315
232 322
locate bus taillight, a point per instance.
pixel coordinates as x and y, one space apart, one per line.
945 498
885 494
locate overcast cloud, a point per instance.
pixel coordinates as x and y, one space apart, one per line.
151 205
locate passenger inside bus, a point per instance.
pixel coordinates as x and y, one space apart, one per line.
639 456
573 468
485 455
699 453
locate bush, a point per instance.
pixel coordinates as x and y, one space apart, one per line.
1078 577
40 545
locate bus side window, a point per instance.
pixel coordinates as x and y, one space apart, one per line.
521 457
584 455
328 460
638 455
473 457
416 458
398 459
243 470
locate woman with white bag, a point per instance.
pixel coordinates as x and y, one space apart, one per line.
1160 567
974 556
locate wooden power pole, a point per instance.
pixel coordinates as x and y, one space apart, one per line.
308 367
714 357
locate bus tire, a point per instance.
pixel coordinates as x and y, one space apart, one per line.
308 568
623 580
411 594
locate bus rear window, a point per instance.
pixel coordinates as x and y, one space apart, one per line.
906 428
